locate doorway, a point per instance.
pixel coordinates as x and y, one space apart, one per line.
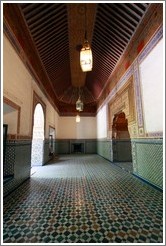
51 141
121 139
38 137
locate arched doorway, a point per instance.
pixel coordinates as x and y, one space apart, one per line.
121 139
38 137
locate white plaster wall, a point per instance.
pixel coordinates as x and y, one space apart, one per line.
70 129
151 74
51 115
18 86
11 120
102 122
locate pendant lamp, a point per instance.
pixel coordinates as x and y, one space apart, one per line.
86 59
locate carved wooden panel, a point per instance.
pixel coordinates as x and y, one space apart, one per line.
123 101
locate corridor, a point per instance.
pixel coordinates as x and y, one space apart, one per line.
83 199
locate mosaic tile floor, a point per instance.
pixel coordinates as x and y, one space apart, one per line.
83 199
126 166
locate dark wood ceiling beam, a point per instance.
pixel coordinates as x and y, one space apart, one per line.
104 72
129 17
103 59
61 41
58 72
110 58
49 24
103 41
115 36
41 15
138 8
29 14
66 92
46 42
29 7
104 63
45 35
121 36
110 32
45 17
100 43
55 64
54 54
125 35
58 68
145 5
100 74
53 42
112 19
54 57
54 60
120 17
114 54
52 67
48 36
131 11
104 68
115 48
107 50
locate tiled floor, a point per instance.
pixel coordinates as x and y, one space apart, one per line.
83 199
126 166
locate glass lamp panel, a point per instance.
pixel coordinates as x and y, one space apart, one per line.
86 59
77 118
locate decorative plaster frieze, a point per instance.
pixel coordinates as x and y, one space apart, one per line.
134 67
138 98
118 86
154 40
155 134
133 70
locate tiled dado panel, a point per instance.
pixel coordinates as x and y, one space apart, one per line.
46 156
121 150
104 149
148 160
64 146
115 151
90 147
20 156
9 160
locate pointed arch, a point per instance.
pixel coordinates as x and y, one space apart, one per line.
38 131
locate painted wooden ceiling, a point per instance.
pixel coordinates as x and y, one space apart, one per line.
51 36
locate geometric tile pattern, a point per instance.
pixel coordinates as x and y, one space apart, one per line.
154 163
148 160
8 168
83 199
46 151
104 148
22 150
126 166
37 147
